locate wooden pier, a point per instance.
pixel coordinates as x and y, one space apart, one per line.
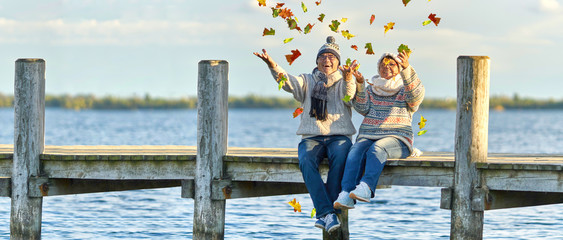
471 179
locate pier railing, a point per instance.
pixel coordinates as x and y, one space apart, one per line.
472 180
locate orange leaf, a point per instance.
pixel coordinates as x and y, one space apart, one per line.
388 27
297 112
291 57
269 32
308 28
261 3
319 2
295 204
279 5
371 19
369 49
434 19
354 47
286 13
406 2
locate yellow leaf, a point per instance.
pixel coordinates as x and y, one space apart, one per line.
344 20
388 27
287 40
347 34
261 3
295 204
426 22
422 122
304 7
313 212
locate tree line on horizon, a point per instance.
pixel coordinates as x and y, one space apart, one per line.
79 102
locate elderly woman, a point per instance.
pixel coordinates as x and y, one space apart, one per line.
387 105
326 125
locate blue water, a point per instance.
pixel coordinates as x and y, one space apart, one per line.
395 213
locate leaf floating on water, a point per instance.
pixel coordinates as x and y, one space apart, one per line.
321 17
388 27
291 57
369 49
269 32
297 112
295 204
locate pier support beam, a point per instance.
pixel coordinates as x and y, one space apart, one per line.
471 144
212 107
29 142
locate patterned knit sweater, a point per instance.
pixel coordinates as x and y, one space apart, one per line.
339 112
386 116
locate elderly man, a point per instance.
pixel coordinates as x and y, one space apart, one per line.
326 125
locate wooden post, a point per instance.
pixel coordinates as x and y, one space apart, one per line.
341 234
29 132
471 145
209 214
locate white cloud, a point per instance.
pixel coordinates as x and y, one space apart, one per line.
549 5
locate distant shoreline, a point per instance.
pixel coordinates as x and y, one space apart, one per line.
79 102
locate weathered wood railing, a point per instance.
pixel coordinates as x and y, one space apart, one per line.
472 181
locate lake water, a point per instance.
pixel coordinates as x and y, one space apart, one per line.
395 213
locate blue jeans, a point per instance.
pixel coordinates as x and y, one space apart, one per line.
311 152
371 156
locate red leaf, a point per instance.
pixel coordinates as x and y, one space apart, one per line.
371 19
286 13
354 47
279 5
319 2
291 57
434 19
297 112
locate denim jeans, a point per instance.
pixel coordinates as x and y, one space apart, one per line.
311 152
371 156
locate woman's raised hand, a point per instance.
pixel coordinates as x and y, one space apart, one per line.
266 58
404 57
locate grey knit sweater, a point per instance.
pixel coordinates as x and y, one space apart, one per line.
339 113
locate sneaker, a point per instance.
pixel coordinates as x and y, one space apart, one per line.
332 223
320 223
361 193
344 201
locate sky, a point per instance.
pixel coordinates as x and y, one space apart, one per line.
137 47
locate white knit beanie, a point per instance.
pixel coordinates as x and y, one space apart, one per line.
392 55
330 47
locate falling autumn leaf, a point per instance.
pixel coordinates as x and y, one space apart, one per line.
313 212
388 27
421 132
369 49
347 34
295 204
321 17
344 20
371 19
269 32
348 62
405 48
261 3
287 40
286 13
281 80
275 12
334 25
319 2
406 2
294 55
292 24
279 5
386 61
297 112
354 47
346 98
422 122
308 28
303 7
434 19
357 67
426 22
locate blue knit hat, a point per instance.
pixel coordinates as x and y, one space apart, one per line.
330 47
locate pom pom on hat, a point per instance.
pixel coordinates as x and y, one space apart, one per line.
330 47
